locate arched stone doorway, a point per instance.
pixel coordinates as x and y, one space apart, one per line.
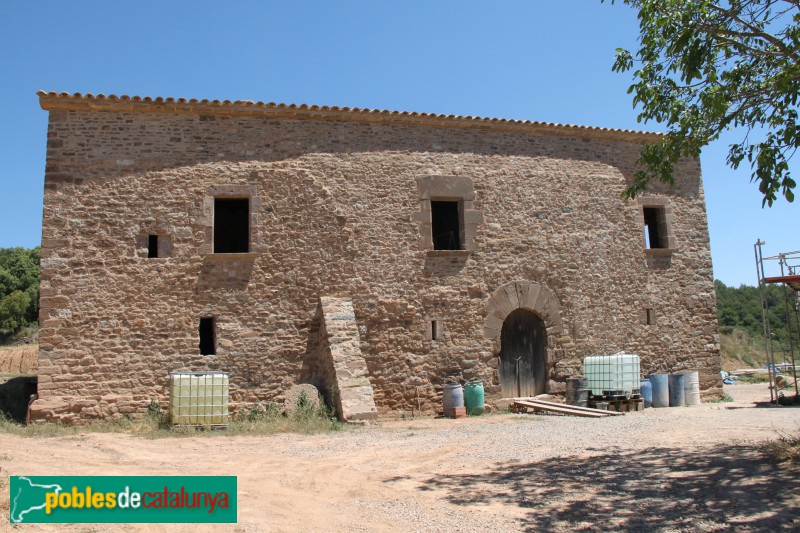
523 355
520 317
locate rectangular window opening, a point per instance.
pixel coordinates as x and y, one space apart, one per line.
446 225
231 225
208 345
651 317
152 246
654 227
434 330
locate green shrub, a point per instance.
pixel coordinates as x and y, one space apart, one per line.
156 414
259 413
13 310
258 419
19 289
722 399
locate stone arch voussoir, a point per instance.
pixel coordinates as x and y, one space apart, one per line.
529 295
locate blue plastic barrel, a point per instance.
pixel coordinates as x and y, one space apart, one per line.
453 397
676 392
647 393
660 385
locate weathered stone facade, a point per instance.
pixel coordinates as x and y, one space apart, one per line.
340 206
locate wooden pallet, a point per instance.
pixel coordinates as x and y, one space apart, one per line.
615 397
522 405
618 406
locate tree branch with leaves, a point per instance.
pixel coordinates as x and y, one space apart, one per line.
705 67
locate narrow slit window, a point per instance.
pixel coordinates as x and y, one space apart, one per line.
231 225
434 330
152 246
650 316
208 345
446 225
655 227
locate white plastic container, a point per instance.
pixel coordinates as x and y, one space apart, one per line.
198 398
691 387
612 375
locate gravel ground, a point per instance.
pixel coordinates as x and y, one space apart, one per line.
680 469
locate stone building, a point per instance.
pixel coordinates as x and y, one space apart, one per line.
376 254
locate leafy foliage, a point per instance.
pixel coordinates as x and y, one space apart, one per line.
704 67
741 308
13 309
19 289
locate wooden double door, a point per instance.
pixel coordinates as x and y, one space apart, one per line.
523 355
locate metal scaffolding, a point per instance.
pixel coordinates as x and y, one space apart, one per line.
789 263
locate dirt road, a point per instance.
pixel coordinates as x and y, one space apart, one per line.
682 469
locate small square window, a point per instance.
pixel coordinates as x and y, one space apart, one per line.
446 225
231 225
208 344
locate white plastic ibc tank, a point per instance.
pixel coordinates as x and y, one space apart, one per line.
612 375
198 398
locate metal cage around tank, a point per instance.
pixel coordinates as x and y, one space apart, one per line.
615 375
198 398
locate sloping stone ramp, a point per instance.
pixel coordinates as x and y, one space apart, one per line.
345 369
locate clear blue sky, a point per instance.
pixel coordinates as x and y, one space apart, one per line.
546 61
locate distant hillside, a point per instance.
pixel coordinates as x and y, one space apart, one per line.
742 328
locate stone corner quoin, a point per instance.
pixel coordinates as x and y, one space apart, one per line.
376 255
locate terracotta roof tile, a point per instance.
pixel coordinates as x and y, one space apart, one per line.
54 100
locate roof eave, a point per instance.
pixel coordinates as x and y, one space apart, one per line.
52 101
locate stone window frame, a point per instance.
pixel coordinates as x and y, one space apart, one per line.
459 189
668 245
230 192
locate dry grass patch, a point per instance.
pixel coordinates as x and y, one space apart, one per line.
258 419
785 448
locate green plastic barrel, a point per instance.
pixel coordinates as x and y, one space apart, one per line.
473 397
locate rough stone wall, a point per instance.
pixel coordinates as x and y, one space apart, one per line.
335 212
